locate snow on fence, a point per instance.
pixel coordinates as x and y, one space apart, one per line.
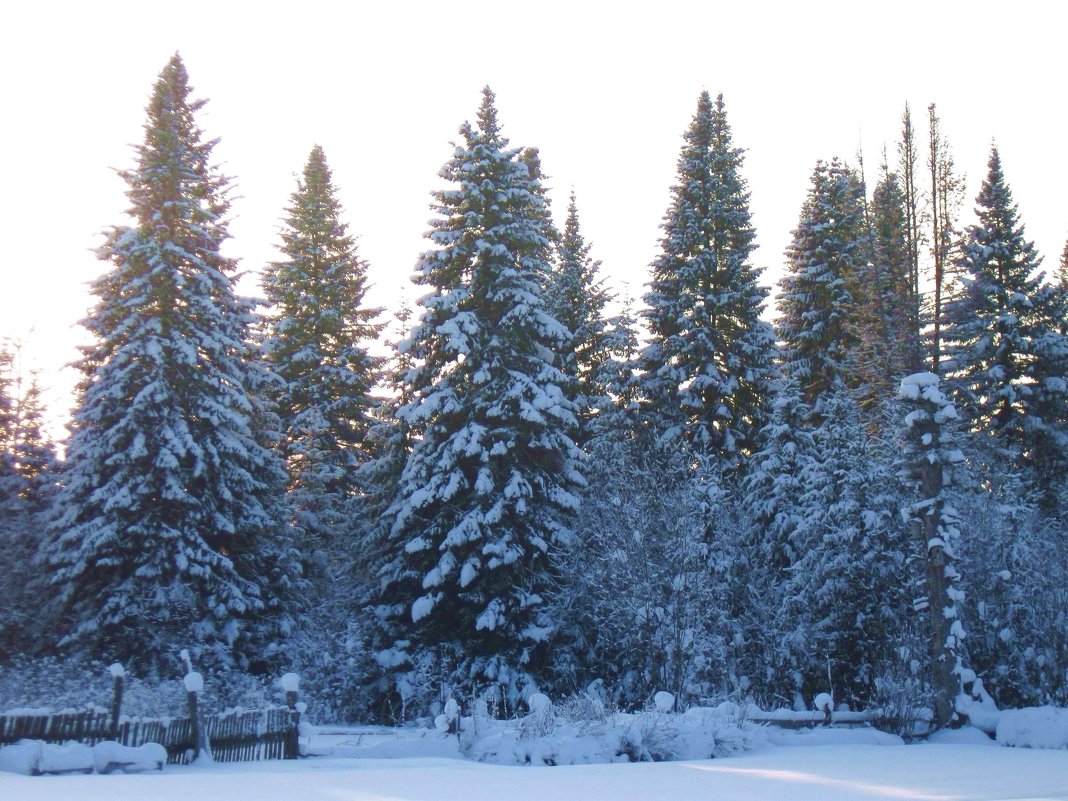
234 736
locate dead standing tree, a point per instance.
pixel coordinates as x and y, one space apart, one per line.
930 455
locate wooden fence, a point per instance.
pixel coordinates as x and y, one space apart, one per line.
237 736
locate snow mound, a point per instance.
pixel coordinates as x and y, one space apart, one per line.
111 756
830 736
69 758
966 735
23 757
34 757
1035 727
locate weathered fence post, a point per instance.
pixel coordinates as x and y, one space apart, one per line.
291 684
194 685
118 673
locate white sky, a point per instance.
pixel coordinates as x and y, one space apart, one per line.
605 91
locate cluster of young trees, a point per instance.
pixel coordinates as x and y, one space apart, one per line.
532 493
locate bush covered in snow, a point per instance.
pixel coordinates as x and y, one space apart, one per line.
1036 727
580 731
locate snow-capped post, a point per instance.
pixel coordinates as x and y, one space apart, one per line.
824 703
194 685
118 673
290 683
929 456
452 716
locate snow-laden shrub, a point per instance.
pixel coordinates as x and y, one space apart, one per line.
594 735
542 718
650 737
586 710
902 706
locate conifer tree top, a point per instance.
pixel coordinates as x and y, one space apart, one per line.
1062 270
706 368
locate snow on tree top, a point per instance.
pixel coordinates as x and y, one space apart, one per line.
912 385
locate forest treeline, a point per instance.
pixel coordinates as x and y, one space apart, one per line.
532 493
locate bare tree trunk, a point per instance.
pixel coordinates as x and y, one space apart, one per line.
933 160
935 525
908 159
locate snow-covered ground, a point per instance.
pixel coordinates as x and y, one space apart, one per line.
831 767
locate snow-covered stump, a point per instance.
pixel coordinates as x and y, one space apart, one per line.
118 674
929 458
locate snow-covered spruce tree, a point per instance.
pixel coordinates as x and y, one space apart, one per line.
1062 268
817 322
316 342
996 326
886 342
167 532
773 486
36 461
842 597
1016 580
929 454
771 493
14 520
390 437
1046 421
484 499
577 298
28 472
710 357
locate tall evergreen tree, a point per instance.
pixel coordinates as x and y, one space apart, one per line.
883 350
167 530
27 478
993 326
709 362
577 298
817 322
483 501
841 595
316 342
1062 268
8 427
16 609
